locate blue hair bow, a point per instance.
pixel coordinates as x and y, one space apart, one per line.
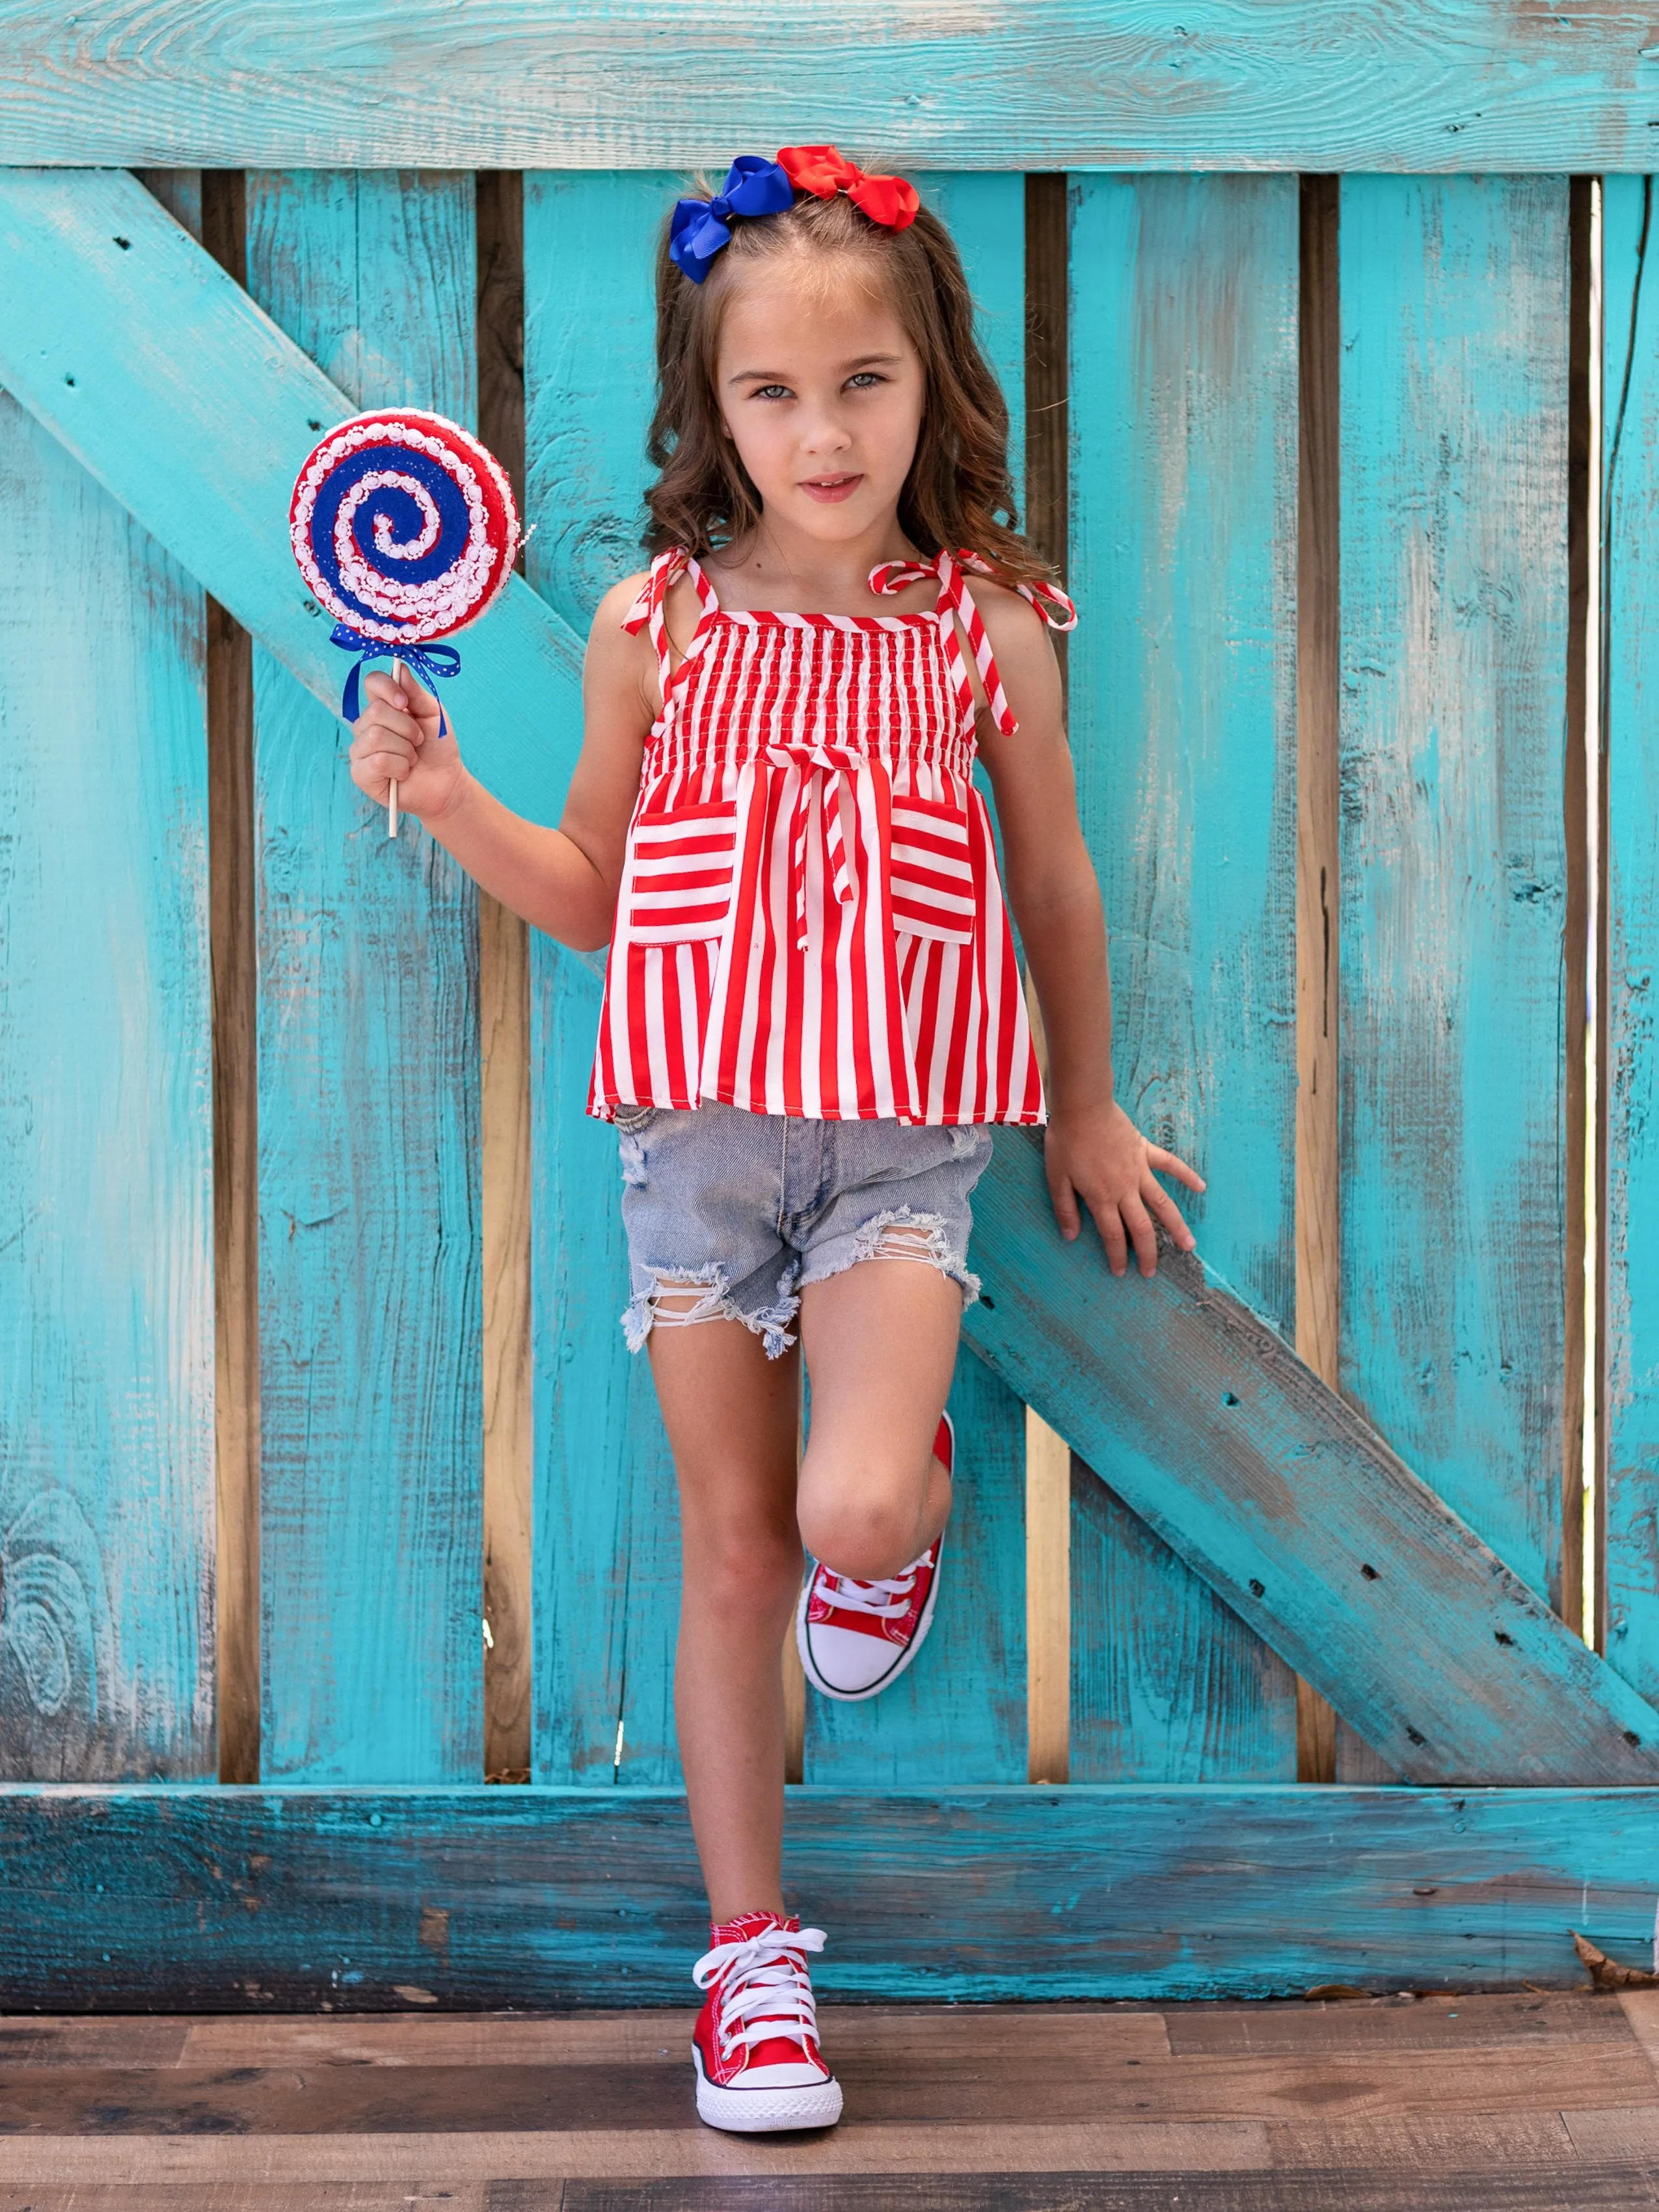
699 229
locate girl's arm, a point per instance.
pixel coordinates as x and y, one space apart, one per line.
563 881
1093 1151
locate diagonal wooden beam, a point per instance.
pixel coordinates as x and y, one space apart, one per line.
191 408
1207 1424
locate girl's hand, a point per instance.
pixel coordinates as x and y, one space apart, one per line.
395 740
1099 1156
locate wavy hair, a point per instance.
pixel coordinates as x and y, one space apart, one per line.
958 493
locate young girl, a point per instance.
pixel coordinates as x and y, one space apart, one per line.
813 1008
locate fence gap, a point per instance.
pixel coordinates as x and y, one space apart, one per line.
233 932
1582 905
1048 503
504 1016
1318 1217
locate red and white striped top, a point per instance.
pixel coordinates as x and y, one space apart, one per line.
811 921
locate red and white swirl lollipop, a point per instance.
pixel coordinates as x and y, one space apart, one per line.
405 530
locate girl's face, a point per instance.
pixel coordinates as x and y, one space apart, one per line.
822 393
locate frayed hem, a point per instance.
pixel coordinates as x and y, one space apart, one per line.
922 1237
644 1310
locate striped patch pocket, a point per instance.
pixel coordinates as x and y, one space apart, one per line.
931 874
680 882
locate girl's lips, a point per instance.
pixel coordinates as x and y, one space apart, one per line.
830 489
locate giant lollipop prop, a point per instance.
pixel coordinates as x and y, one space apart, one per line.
405 528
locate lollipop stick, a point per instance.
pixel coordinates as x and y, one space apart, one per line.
391 794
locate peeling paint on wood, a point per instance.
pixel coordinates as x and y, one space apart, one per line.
1631 735
280 1900
607 1525
1454 560
1049 84
107 1509
1183 393
167 383
1274 1490
370 1312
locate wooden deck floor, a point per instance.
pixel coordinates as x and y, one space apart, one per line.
1549 2103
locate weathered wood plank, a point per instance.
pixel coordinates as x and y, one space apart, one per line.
1630 679
152 365
1184 414
265 1901
106 1483
1454 557
606 1549
1053 84
1298 1515
371 1405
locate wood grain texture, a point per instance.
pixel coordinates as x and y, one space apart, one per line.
1454 300
1055 84
1584 1210
504 1256
1318 686
1631 647
1047 1602
920 2087
606 1527
234 927
1184 427
1318 703
267 1900
504 1112
1298 1515
166 382
553 2161
1166 1680
1571 2185
371 1412
107 1445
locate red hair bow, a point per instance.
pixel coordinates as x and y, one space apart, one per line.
824 171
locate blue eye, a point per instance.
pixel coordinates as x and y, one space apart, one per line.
864 379
770 391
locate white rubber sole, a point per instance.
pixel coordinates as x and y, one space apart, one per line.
857 1697
764 2111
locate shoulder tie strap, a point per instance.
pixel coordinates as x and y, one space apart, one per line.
648 609
955 604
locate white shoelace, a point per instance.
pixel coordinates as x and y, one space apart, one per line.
886 1600
769 1993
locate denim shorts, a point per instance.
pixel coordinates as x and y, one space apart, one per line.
749 1208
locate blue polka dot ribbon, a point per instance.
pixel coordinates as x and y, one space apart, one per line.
433 663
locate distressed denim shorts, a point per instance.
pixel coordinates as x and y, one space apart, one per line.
749 1208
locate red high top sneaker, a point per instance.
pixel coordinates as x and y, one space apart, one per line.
756 2044
855 1636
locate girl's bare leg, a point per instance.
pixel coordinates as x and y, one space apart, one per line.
881 1343
733 1420
881 1346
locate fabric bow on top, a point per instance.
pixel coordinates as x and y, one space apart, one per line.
893 201
699 229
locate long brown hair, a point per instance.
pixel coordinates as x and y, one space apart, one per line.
959 492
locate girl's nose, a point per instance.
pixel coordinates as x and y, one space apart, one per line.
826 435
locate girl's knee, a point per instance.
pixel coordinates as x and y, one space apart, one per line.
736 1573
867 1537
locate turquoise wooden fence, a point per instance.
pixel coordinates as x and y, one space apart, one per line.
1398 1533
